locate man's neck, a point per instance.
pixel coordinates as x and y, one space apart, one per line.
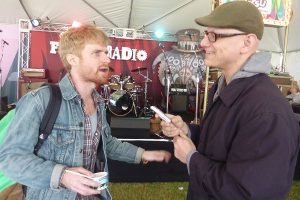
230 70
83 87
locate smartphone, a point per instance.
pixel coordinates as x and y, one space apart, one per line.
160 114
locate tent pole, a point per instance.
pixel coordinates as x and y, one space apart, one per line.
283 64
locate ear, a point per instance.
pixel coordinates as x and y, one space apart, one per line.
72 59
250 43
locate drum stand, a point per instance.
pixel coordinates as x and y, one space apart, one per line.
122 82
146 109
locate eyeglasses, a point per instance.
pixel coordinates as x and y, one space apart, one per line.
212 37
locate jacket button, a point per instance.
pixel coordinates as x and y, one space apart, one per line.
81 124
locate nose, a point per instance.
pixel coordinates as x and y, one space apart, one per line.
204 42
106 59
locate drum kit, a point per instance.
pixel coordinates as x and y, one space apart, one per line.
122 94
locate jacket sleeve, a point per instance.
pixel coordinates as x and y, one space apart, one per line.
122 151
18 161
195 133
260 163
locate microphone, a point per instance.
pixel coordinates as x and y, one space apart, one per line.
4 42
161 45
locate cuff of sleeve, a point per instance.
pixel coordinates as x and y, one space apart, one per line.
188 159
55 177
138 157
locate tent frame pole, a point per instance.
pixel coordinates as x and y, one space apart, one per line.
283 64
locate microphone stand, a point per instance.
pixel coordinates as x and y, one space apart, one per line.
168 77
197 88
1 58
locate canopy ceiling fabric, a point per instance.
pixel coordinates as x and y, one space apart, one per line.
168 15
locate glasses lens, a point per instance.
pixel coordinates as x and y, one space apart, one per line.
211 36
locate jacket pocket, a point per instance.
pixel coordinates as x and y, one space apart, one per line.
61 144
61 137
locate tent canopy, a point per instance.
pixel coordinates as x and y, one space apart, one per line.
169 16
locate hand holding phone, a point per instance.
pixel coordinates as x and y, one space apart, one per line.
160 114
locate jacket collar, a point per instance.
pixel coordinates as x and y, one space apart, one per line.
233 90
69 91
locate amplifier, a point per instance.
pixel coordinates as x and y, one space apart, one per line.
178 88
179 102
28 84
33 73
181 90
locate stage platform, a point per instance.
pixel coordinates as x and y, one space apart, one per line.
137 131
153 171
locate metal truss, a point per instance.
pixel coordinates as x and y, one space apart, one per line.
25 27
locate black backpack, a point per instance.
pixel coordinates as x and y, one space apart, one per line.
50 115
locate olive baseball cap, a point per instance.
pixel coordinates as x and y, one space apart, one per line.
240 15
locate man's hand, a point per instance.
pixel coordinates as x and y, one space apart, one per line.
182 146
175 128
79 184
158 156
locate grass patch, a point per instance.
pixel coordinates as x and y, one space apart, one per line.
294 194
149 191
167 191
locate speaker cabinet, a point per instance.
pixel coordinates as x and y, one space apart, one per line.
28 84
179 102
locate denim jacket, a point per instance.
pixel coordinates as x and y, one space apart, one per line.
63 147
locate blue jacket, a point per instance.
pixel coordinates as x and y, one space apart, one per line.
63 147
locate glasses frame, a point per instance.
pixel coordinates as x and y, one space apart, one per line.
220 35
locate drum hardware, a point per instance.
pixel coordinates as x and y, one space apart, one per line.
114 82
129 83
120 82
121 102
139 69
146 109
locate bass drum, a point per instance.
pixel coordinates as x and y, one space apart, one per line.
120 103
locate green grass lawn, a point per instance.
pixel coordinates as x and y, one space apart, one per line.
166 191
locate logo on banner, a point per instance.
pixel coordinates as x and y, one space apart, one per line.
126 53
123 53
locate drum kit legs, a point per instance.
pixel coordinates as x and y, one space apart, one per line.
124 98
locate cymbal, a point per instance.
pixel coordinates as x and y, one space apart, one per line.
139 69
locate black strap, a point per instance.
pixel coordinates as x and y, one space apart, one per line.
50 116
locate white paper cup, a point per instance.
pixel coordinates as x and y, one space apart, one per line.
102 178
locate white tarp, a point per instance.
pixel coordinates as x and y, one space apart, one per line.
168 15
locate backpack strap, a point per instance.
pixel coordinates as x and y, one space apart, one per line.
50 116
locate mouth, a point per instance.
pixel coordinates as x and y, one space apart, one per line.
208 52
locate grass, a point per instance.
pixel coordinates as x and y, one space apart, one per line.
295 191
167 191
